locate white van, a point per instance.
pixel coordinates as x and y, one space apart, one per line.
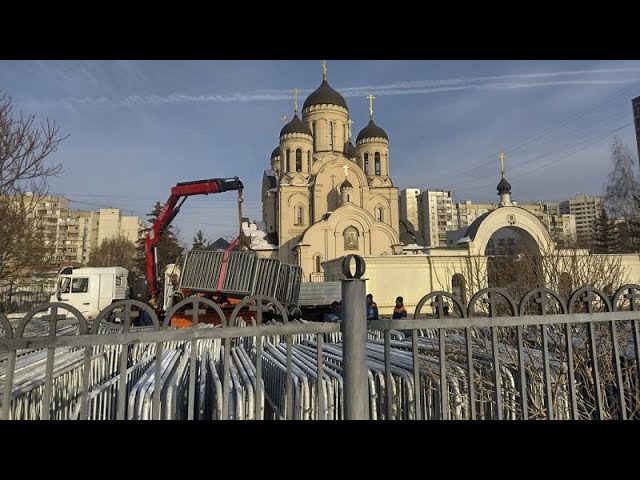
90 290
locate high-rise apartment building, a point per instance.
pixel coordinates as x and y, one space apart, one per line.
437 217
587 209
114 224
410 207
74 234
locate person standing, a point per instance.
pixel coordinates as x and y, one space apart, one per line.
334 313
399 311
372 308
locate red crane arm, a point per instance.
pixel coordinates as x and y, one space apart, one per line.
179 193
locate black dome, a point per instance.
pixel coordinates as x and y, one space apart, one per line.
349 149
325 94
296 126
371 131
504 186
276 152
346 184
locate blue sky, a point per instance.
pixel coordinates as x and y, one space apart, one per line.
138 127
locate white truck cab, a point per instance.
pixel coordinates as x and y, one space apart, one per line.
90 290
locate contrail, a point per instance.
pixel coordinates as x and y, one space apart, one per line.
413 87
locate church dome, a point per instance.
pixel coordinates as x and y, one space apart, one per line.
371 131
346 184
504 186
324 94
296 126
276 152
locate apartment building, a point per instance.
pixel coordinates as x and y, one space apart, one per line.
410 211
74 234
586 209
437 217
114 224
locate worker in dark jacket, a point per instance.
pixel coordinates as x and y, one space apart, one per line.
399 311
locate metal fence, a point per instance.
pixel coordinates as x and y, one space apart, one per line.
23 296
541 358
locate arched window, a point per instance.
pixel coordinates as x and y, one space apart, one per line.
309 160
376 157
331 132
379 216
351 238
317 270
458 287
299 218
366 164
288 160
298 160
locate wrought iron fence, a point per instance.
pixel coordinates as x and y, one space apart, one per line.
541 358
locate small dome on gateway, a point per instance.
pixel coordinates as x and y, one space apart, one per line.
504 187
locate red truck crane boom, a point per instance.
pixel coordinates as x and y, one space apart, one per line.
179 194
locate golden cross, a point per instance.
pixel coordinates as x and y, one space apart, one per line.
284 119
295 91
346 171
350 122
501 157
371 97
324 69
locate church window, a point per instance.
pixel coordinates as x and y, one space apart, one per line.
309 161
299 220
351 238
331 125
377 162
378 214
366 164
298 160
288 160
317 263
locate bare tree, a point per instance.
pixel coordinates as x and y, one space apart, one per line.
621 186
114 252
25 147
518 271
563 271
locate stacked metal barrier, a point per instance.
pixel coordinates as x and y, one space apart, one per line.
245 274
242 388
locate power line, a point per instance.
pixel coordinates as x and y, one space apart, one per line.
517 146
556 161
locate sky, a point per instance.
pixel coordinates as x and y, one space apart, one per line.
136 128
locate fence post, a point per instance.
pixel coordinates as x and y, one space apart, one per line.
354 329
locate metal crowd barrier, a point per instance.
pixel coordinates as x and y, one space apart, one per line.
481 367
245 274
